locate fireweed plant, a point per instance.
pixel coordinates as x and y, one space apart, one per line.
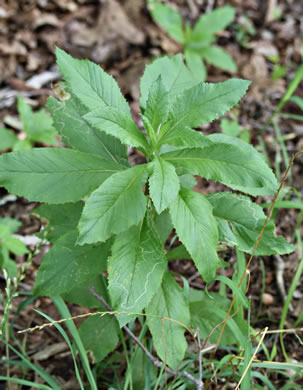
106 215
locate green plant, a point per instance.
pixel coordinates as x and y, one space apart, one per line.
232 128
244 30
109 221
10 244
37 126
197 41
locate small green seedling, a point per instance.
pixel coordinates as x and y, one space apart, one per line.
107 217
244 30
232 128
197 42
37 126
10 244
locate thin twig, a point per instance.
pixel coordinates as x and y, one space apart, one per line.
154 360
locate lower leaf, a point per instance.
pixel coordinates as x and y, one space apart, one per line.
67 265
166 314
99 335
135 269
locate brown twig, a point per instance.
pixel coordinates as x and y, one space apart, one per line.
154 360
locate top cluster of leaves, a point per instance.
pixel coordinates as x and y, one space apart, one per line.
129 211
37 126
197 42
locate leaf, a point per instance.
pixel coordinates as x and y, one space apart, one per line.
54 175
168 18
203 103
195 65
213 22
80 294
22 144
10 224
209 311
67 265
174 74
230 128
99 335
115 206
163 184
7 139
92 86
186 138
180 252
163 225
135 269
37 125
78 134
157 104
219 58
228 164
117 124
168 336
16 246
245 220
196 227
61 218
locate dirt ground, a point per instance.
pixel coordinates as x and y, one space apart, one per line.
122 38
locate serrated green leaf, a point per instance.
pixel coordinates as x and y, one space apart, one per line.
61 218
117 124
115 206
195 65
135 268
196 227
227 163
168 18
80 294
245 219
203 103
7 139
175 76
78 134
163 184
168 336
209 311
99 335
219 58
67 265
54 175
16 246
157 104
214 21
88 81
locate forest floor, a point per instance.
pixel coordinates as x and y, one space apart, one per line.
122 37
